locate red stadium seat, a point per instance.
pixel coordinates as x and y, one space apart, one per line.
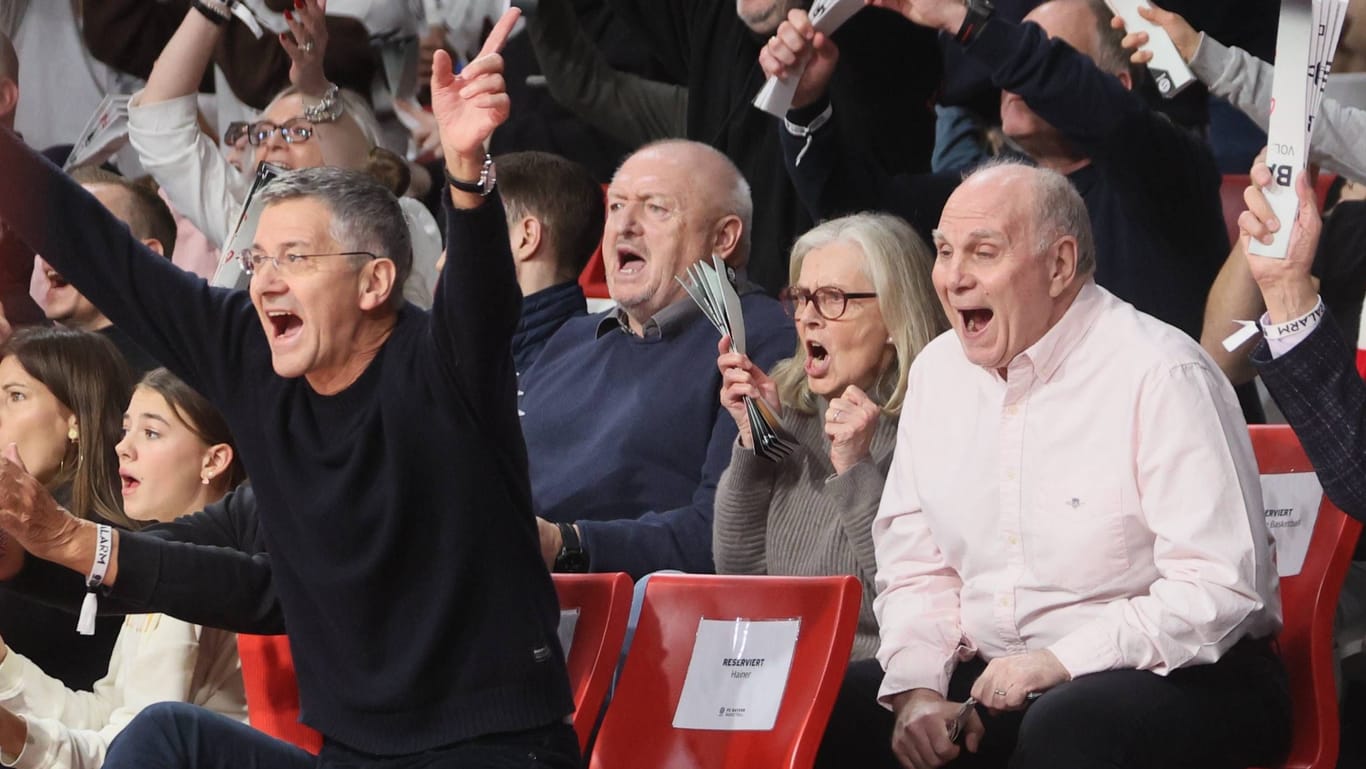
604 603
1310 600
272 691
593 279
638 730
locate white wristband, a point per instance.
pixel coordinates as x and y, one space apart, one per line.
104 549
1290 327
805 131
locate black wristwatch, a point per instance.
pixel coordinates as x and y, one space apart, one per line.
571 558
979 12
488 177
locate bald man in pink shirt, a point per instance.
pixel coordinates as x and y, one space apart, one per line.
1072 529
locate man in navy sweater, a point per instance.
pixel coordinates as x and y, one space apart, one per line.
387 467
622 413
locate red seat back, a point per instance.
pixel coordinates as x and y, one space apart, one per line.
1310 601
604 604
272 691
638 729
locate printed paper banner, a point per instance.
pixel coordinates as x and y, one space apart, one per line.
775 97
104 134
1292 507
229 273
737 674
1305 42
1168 69
569 622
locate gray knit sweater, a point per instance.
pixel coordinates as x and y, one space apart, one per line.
793 518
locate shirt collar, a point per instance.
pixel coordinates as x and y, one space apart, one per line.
662 324
669 320
1047 355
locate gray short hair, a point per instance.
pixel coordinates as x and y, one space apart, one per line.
1057 210
365 214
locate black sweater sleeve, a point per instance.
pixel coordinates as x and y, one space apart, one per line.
836 177
208 568
1161 166
197 331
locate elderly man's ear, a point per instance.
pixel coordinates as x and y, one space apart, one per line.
377 283
1062 264
727 239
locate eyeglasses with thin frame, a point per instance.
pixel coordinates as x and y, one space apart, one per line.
287 264
235 132
830 302
293 131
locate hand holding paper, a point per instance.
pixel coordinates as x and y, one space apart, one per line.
710 288
1182 34
1286 283
741 379
1165 59
801 58
790 50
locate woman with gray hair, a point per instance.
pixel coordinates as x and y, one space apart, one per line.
864 307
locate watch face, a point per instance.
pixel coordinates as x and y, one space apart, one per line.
489 177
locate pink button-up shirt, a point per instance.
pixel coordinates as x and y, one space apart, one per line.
1102 502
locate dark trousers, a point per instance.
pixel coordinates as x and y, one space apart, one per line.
180 736
1234 713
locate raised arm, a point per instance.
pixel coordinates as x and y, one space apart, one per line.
627 107
163 128
478 301
196 331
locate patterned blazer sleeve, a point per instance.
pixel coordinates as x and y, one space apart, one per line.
1324 400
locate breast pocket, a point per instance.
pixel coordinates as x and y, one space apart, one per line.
1074 537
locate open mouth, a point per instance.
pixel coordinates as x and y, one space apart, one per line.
629 261
975 320
284 325
817 359
127 483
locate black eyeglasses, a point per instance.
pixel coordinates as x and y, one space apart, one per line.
235 132
830 302
293 131
289 264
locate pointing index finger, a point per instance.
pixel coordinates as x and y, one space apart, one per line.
499 36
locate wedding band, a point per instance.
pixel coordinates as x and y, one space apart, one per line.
999 692
307 47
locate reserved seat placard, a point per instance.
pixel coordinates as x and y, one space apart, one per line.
1292 507
737 674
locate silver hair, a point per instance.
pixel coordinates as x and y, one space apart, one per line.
365 214
1058 210
730 195
898 263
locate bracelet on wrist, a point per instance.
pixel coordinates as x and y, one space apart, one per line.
326 110
104 550
216 11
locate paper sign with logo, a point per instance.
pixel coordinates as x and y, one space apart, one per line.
1292 506
737 674
569 622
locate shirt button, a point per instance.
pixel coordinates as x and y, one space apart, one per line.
1010 475
1005 602
1012 411
1012 539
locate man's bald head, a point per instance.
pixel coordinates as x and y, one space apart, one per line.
717 187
